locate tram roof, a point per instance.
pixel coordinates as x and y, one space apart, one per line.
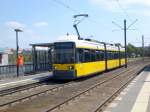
81 43
88 43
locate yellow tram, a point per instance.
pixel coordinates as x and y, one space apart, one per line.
74 58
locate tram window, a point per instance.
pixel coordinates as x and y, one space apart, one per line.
93 55
122 55
98 57
80 55
87 56
101 55
108 55
116 55
112 55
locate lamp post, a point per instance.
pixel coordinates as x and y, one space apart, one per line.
17 49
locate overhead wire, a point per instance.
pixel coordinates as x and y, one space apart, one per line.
75 11
65 5
127 15
124 11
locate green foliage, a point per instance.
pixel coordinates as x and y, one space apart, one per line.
134 51
12 58
26 55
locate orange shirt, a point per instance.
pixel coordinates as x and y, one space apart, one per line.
20 61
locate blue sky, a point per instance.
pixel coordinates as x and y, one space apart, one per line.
46 20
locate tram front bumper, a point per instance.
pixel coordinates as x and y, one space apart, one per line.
64 74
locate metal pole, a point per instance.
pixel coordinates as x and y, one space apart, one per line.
143 47
17 48
125 42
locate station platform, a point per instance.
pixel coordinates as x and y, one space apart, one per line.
23 80
135 97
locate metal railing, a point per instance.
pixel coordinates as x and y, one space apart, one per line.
27 69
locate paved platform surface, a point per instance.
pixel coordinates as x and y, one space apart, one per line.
23 80
135 97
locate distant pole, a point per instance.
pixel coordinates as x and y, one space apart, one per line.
17 49
125 35
143 47
125 42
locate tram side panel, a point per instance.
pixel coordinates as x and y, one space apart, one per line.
112 59
90 61
85 69
122 58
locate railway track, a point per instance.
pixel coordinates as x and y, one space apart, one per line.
26 87
34 86
87 92
114 95
49 87
21 88
67 85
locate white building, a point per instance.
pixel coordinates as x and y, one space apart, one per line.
4 57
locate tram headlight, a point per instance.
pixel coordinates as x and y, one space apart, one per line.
54 67
71 67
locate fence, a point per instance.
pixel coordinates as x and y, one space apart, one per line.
27 69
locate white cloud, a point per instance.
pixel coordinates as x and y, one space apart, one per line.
40 24
15 24
29 35
136 2
112 5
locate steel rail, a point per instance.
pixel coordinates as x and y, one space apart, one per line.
48 91
33 95
85 91
118 91
29 86
21 88
44 92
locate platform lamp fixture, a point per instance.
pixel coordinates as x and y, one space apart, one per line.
17 49
76 22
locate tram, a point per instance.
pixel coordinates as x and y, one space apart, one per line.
74 58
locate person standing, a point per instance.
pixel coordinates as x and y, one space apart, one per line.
20 63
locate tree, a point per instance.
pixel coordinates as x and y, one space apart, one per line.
132 50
